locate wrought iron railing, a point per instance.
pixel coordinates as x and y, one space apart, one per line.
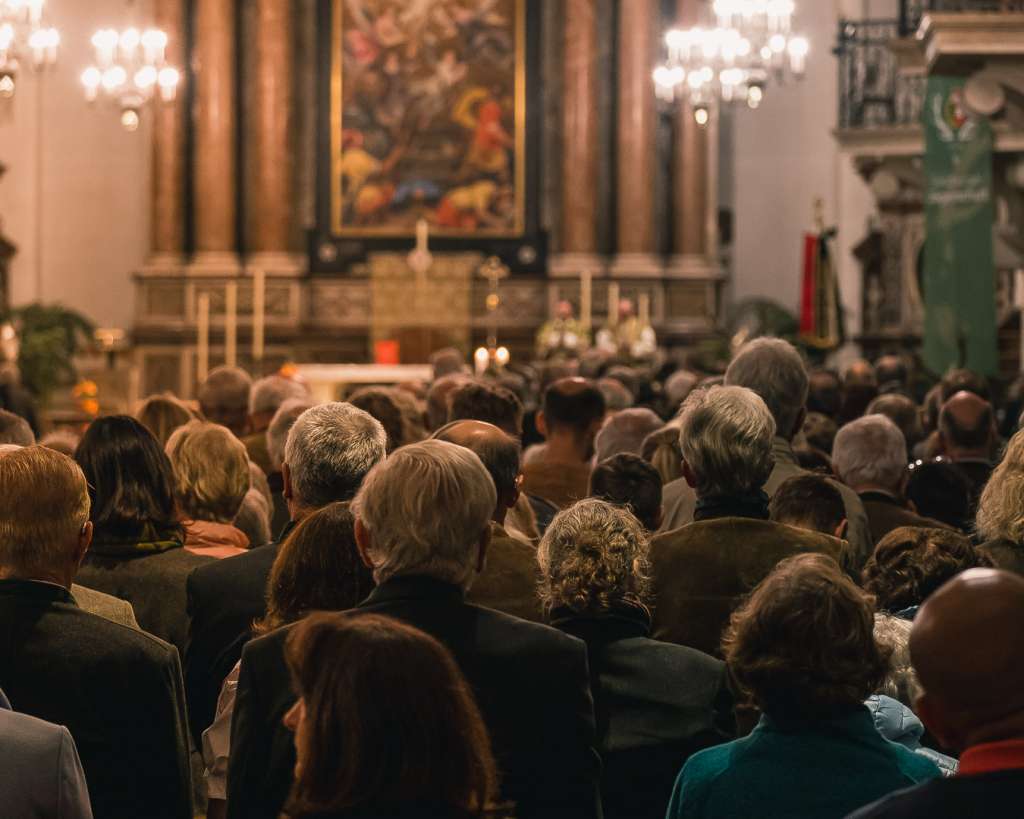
911 11
873 93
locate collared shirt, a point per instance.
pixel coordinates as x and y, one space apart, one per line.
993 756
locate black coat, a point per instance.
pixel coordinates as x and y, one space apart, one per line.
995 795
118 690
656 704
224 598
530 681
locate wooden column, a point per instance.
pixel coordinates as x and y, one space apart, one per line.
215 169
269 201
636 140
580 141
167 237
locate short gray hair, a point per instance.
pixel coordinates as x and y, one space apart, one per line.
277 433
329 451
774 370
425 509
870 451
15 430
268 394
625 432
725 434
225 388
592 558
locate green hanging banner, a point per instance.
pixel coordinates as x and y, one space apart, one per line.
959 266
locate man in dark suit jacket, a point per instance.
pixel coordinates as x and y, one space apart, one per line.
329 450
702 570
423 525
966 647
118 690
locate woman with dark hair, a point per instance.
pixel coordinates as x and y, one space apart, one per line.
389 729
911 562
802 649
137 550
317 569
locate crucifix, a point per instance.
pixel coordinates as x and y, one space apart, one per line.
494 271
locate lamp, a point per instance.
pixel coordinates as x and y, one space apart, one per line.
24 32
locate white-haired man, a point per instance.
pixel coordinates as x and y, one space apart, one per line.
870 456
774 370
266 397
330 449
701 570
422 525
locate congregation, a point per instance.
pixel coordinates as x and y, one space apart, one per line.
565 591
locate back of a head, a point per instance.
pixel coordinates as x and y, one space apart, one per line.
1001 507
678 386
910 563
316 569
211 471
389 724
903 412
131 484
940 491
447 362
803 643
44 503
625 432
892 373
281 424
480 401
436 529
810 502
616 396
438 397
268 394
330 449
15 430
253 519
593 559
825 393
870 453
498 451
162 414
726 438
380 403
774 370
962 380
967 421
628 480
820 431
224 398
64 441
662 451
574 404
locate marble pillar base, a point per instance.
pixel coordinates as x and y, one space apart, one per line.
571 265
637 266
277 263
214 263
163 263
692 267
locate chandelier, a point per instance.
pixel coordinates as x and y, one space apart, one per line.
130 68
746 44
22 31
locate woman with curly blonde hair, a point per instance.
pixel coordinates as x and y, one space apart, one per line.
655 703
1000 521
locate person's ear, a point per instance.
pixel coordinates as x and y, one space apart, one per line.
934 719
689 476
485 541
517 490
842 529
363 543
542 423
84 541
286 478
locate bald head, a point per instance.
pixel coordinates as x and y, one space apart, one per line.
966 646
967 425
860 374
499 452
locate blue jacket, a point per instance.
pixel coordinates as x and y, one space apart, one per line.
897 723
800 770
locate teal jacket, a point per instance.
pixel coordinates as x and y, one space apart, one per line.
814 770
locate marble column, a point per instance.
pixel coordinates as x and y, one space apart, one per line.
635 140
215 168
580 142
168 204
269 200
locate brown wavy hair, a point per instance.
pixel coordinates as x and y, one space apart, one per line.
911 562
803 643
390 722
317 569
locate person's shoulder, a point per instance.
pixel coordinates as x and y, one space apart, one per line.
112 640
104 605
213 572
916 767
29 735
919 800
660 654
705 766
517 631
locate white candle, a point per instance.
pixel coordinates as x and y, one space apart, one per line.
231 324
586 298
644 309
613 304
203 340
259 301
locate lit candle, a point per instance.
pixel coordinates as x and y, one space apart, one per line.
481 358
644 309
259 296
586 298
203 340
231 324
613 304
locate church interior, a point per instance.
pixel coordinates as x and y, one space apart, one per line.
344 188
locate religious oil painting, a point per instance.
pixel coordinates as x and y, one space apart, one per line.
428 117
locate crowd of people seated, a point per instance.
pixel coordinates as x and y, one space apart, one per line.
571 590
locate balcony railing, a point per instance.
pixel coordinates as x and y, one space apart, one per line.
872 91
911 11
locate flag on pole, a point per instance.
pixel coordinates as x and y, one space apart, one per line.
821 313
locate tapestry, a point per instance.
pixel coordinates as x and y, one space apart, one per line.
959 265
428 117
